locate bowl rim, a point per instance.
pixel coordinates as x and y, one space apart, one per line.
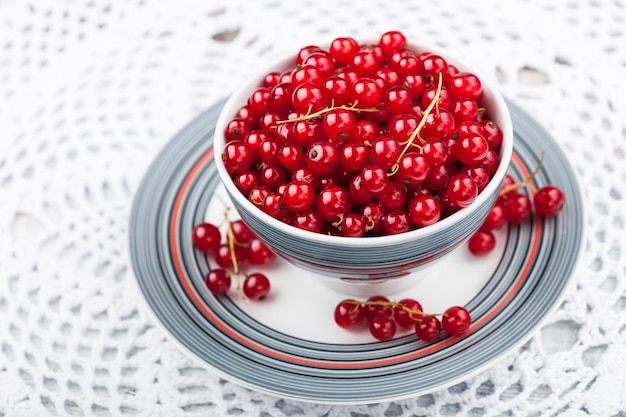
491 93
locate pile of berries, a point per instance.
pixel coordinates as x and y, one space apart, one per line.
515 207
240 246
363 139
383 317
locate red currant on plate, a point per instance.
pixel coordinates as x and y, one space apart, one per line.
206 237
456 320
428 328
218 281
349 314
256 286
548 200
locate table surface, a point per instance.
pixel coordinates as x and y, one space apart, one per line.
92 90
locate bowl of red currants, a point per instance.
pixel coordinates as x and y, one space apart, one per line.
364 161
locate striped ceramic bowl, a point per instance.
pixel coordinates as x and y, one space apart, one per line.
369 259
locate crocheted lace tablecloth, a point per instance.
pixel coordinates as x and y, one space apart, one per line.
90 91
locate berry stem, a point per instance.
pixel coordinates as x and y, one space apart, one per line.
231 242
526 181
391 305
416 133
325 110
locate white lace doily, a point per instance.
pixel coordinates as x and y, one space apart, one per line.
91 90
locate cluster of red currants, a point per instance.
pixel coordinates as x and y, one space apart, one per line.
363 139
515 207
240 246
383 318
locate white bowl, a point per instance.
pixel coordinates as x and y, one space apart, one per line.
369 259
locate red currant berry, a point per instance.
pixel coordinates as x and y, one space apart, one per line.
307 98
306 175
309 220
305 52
480 176
496 217
385 151
236 129
462 190
322 61
258 253
413 169
366 93
224 256
254 139
407 312
246 181
332 202
435 151
377 305
392 197
392 41
432 65
397 100
338 125
206 237
465 86
280 98
236 157
374 178
336 90
424 210
365 62
471 149
549 200
353 225
269 151
396 221
291 157
342 50
518 207
349 314
438 125
382 328
482 242
271 79
428 329
259 100
298 195
217 281
492 133
401 126
307 132
464 109
456 320
258 194
445 100
322 158
241 232
375 215
272 175
256 286
274 205
306 74
390 77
